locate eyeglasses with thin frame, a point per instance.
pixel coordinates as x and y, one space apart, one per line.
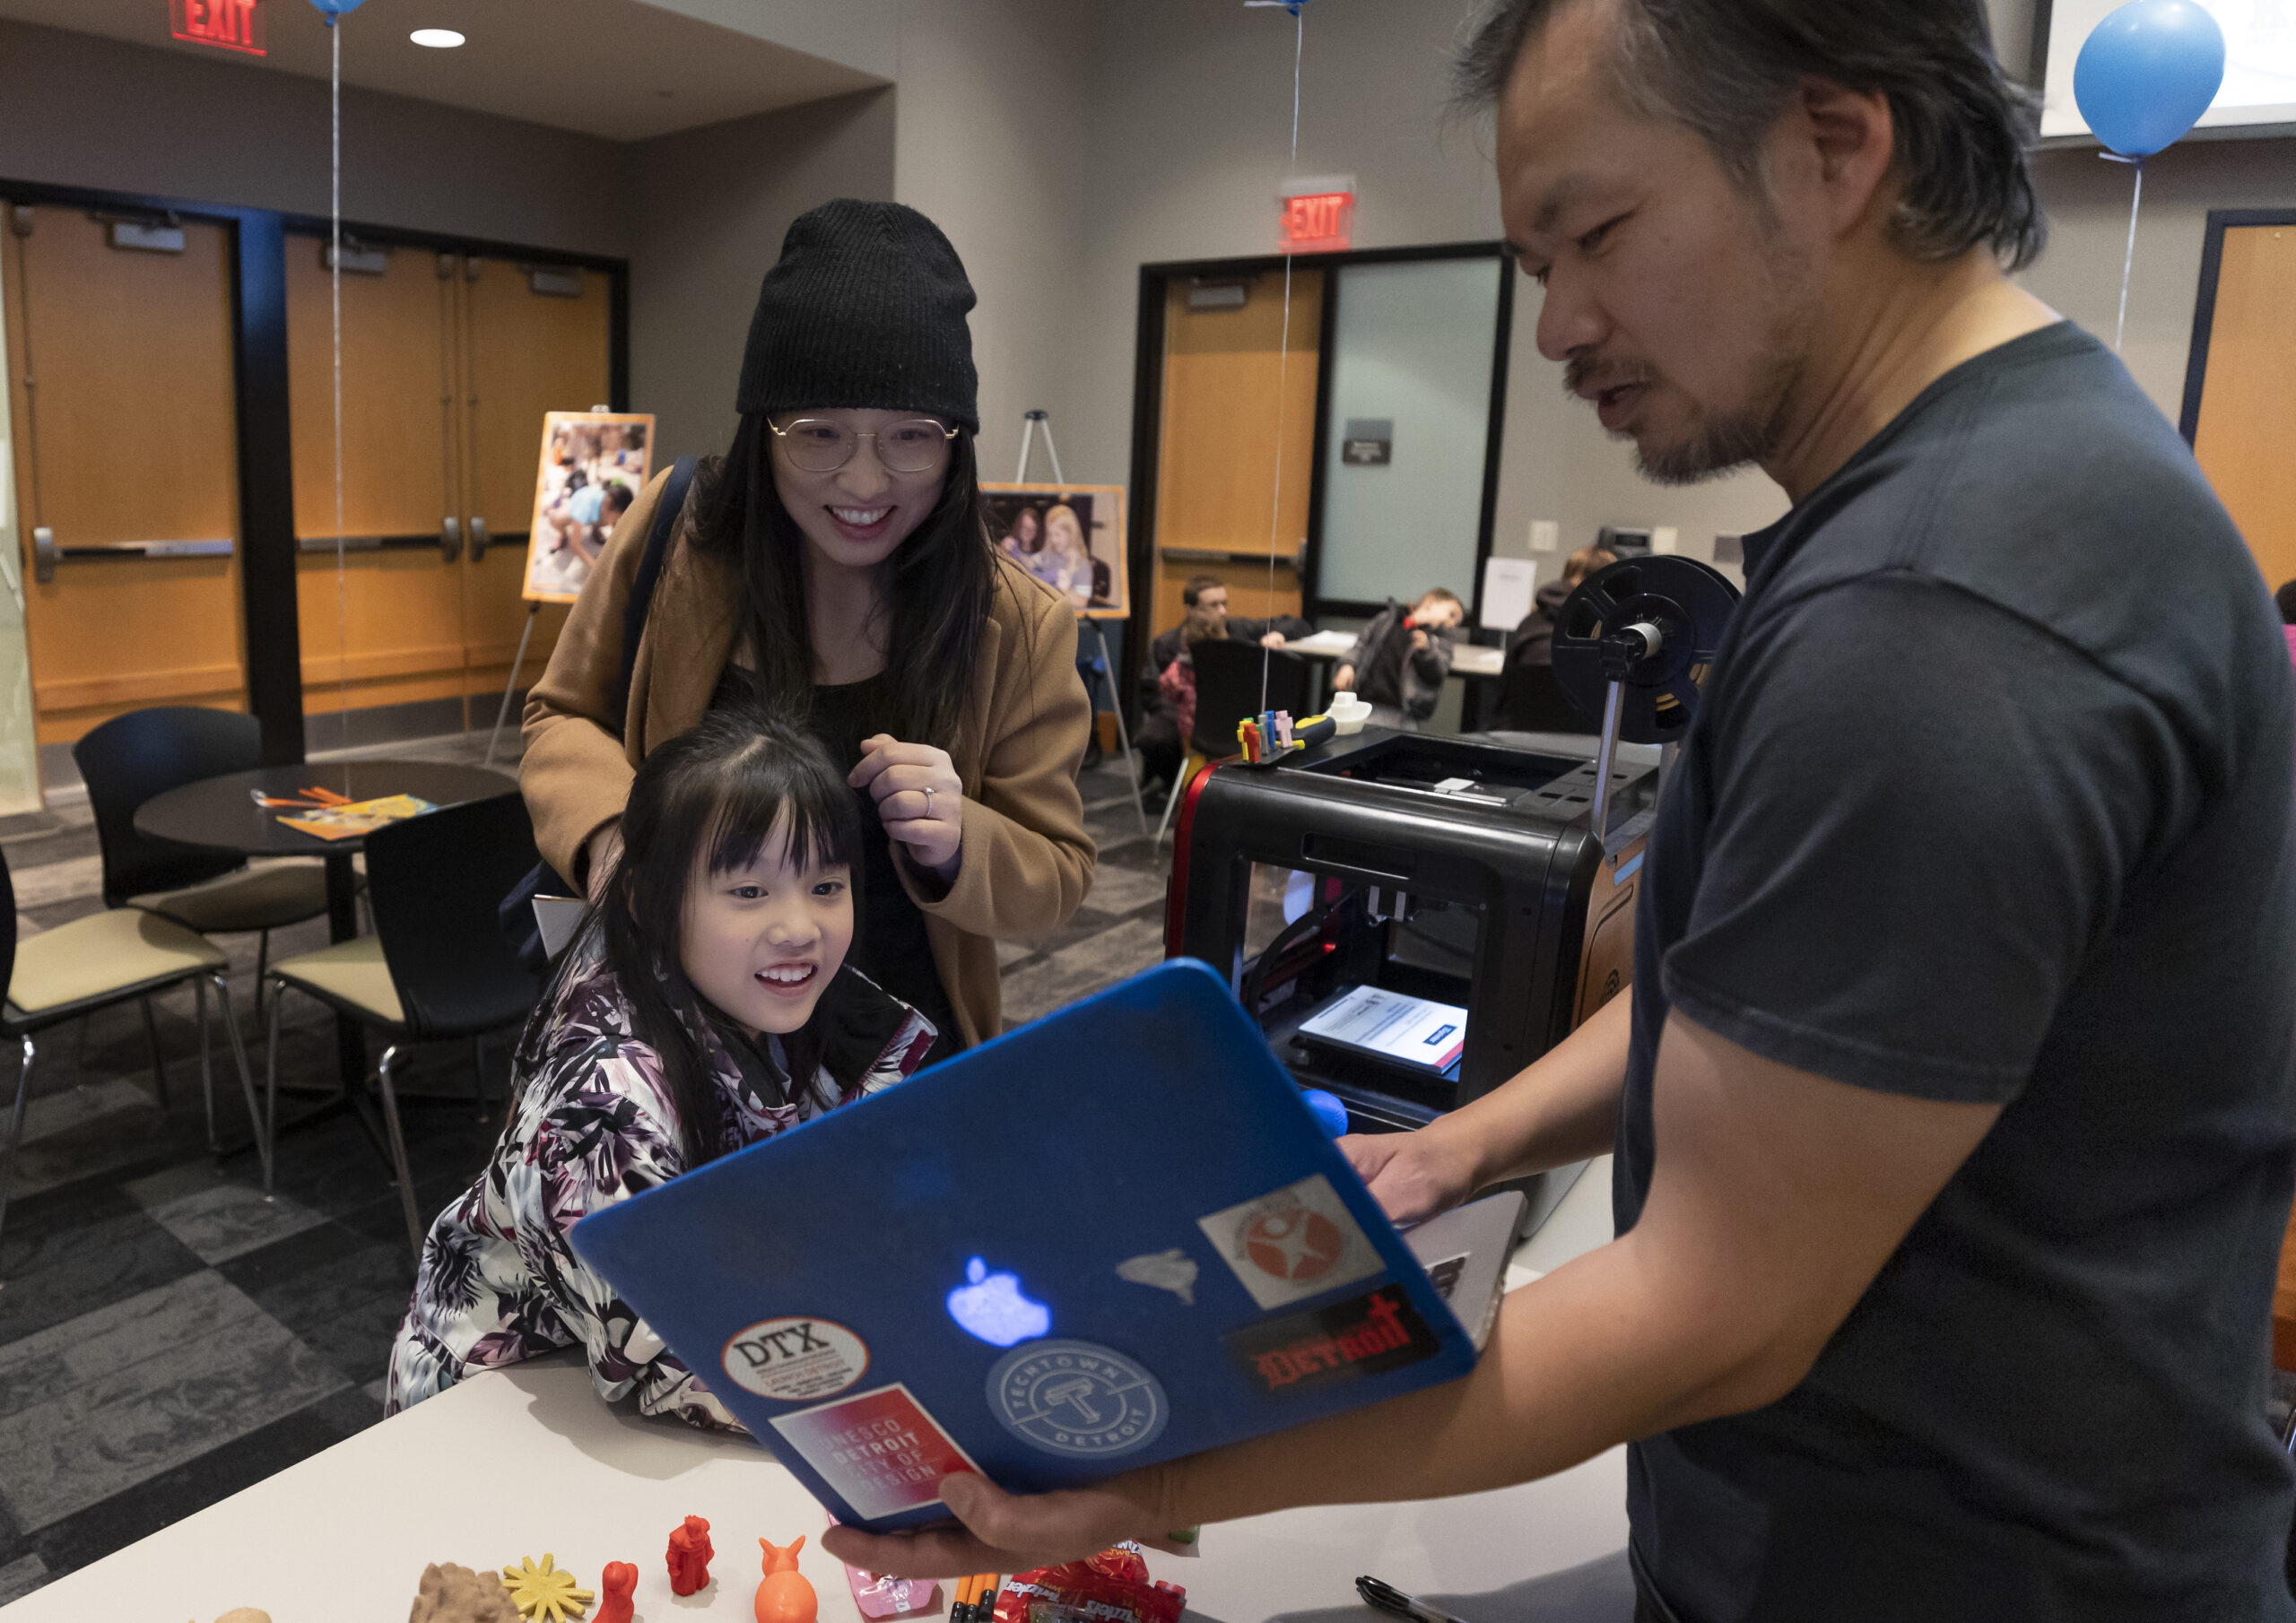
914 445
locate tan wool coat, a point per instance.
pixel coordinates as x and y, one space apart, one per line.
1026 859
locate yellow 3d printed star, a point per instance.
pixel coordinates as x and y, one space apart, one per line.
544 1593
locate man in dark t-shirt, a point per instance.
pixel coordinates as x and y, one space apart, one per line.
1954 1104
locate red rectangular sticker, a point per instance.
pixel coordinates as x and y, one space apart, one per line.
879 1449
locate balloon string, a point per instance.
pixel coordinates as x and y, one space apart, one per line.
334 290
1282 362
2128 264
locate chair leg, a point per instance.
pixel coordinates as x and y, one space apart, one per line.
15 1128
1189 765
207 1066
262 963
269 1127
256 1119
398 1152
158 1065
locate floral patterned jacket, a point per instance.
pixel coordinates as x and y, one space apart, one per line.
592 1124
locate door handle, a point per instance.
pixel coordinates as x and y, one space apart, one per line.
450 539
478 541
43 554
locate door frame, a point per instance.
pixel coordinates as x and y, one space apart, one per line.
1148 406
2203 309
257 243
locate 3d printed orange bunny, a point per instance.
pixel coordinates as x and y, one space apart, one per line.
785 1596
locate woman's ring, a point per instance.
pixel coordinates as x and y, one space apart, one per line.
928 804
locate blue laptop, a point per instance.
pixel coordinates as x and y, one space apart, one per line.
1111 1237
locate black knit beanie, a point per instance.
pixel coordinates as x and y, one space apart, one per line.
864 308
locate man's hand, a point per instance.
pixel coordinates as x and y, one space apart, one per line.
1009 1533
1342 680
1418 640
1273 639
919 797
1412 1176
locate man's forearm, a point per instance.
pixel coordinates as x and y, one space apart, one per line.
1563 1107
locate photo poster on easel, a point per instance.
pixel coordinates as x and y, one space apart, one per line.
594 465
1069 536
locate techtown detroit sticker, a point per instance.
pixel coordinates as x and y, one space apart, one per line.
1293 1243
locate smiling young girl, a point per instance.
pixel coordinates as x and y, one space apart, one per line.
706 1004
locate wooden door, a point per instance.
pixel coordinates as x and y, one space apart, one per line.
2246 438
532 342
386 627
1235 387
120 370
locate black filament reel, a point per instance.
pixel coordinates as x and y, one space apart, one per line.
1650 626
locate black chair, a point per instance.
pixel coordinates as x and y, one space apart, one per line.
131 758
92 963
1531 700
1230 678
438 968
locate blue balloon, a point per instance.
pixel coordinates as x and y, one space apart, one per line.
336 8
2148 73
1327 1108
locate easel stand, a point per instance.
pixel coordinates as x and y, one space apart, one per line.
510 687
1084 622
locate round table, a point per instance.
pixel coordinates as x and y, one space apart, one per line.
220 813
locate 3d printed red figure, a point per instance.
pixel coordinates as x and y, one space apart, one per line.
785 1596
690 1554
616 1585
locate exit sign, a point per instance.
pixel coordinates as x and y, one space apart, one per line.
1316 223
234 25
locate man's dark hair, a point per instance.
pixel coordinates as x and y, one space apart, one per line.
1726 69
2286 599
1197 583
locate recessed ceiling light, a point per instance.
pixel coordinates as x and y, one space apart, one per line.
438 38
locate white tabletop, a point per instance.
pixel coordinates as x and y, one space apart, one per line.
1467 659
527 1461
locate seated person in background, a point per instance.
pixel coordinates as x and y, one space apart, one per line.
1532 643
1400 659
1162 739
2286 599
704 1004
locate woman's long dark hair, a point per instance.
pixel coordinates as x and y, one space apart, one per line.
725 786
945 579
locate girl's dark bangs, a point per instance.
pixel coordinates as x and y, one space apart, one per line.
769 796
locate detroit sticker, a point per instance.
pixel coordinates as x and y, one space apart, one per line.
880 1450
1365 1335
793 1359
1297 1242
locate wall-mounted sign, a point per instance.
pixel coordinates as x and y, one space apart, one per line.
234 25
1369 442
1318 215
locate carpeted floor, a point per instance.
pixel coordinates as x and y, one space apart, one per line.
166 1336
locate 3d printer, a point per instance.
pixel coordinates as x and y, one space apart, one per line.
1461 872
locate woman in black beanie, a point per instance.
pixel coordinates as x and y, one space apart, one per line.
836 564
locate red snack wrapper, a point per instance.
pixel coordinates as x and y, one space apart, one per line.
1110 1587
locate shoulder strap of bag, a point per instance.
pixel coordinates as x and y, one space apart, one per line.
649 574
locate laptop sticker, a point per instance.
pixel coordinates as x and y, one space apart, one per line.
1445 1275
880 1450
791 1359
1173 1270
1293 1243
1077 1398
1368 1334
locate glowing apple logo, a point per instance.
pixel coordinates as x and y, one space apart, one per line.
991 1307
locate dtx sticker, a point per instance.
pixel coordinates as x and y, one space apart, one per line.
791 1359
1293 1243
879 1449
1076 1397
1368 1334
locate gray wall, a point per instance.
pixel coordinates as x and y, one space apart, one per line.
708 208
78 110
